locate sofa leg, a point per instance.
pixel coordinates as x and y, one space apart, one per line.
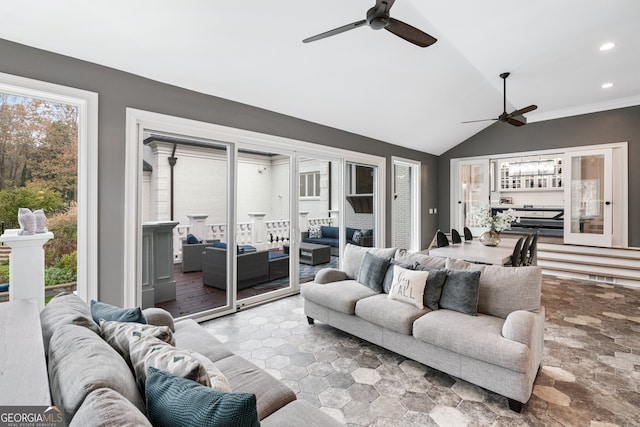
515 406
310 320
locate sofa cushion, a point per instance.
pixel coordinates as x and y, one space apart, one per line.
117 335
246 377
408 286
505 289
176 402
327 231
435 282
406 257
322 241
106 408
81 362
354 254
340 296
460 291
388 276
302 413
391 314
65 309
372 271
148 352
191 336
101 310
479 337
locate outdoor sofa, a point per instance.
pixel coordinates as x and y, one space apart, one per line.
329 236
481 323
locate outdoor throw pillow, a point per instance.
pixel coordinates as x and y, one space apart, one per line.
101 310
177 402
148 352
433 290
408 286
315 232
357 236
191 239
372 271
460 291
117 334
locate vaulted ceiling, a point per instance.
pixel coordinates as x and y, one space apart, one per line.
362 81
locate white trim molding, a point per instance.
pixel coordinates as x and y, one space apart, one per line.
87 104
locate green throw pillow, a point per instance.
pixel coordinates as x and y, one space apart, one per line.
460 291
176 402
101 310
372 271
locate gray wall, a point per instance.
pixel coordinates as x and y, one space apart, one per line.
618 125
118 90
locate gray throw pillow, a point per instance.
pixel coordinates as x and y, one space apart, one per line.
388 277
435 282
372 271
460 291
177 402
102 310
118 334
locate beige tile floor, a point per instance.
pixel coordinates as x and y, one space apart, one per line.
590 374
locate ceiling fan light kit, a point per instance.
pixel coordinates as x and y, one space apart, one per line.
378 18
514 118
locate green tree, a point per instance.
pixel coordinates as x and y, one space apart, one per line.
31 196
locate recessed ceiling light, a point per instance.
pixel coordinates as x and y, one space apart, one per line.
607 46
606 85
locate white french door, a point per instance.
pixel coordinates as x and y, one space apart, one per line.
472 190
588 208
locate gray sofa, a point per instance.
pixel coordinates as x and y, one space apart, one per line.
499 349
92 384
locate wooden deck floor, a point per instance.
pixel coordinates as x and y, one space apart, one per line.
192 296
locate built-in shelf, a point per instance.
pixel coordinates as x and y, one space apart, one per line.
530 178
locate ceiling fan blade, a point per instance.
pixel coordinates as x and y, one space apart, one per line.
336 31
409 33
517 120
523 110
476 121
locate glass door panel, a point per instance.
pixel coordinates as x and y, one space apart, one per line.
473 191
588 210
359 217
319 183
263 226
406 205
185 223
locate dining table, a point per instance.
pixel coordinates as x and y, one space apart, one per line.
476 252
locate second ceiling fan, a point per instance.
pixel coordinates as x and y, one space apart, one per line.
378 18
514 118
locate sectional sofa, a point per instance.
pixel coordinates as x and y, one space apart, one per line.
485 323
94 377
329 236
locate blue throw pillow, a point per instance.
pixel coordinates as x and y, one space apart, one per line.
329 232
111 313
176 402
191 239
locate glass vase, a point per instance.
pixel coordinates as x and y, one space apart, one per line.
490 238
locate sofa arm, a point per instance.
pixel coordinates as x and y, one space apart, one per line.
328 275
366 241
158 317
520 326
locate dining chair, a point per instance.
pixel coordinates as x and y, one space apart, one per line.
441 239
524 252
467 234
455 236
532 256
517 252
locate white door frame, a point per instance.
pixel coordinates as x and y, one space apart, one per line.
456 215
416 230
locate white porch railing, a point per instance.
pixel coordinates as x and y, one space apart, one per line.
257 232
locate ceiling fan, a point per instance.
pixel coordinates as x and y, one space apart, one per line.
516 117
378 18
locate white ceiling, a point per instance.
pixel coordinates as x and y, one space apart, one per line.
363 81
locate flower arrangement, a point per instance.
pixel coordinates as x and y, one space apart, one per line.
481 217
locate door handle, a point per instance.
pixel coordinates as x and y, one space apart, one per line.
459 202
607 203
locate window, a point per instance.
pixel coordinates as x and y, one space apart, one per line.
360 179
310 184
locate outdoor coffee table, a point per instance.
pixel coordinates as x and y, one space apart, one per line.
311 253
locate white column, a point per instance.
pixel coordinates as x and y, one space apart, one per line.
26 265
333 215
258 229
198 225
